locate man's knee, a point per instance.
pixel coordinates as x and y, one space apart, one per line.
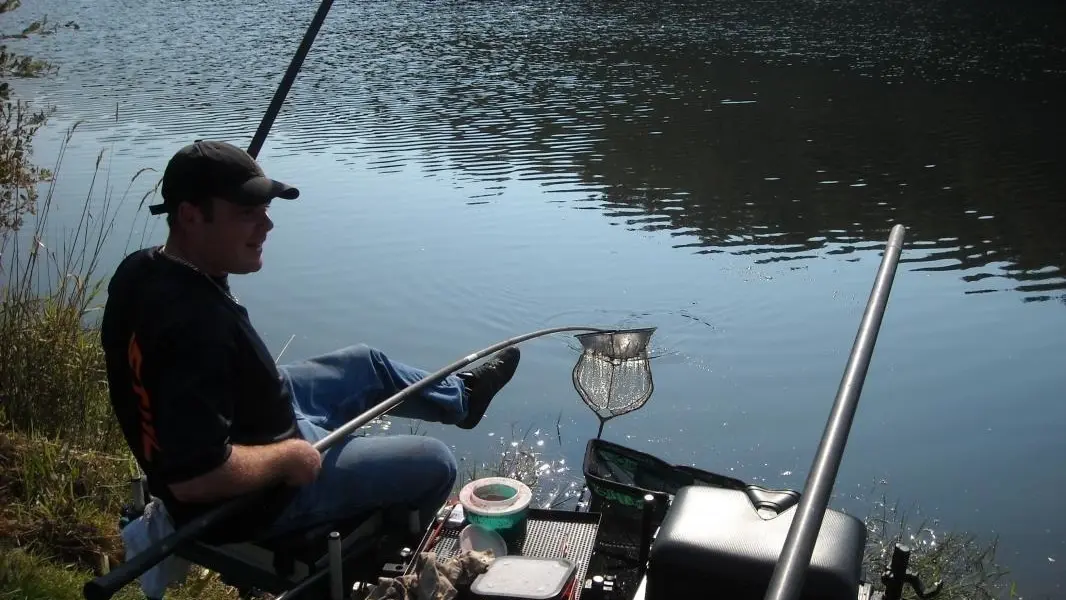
441 460
359 352
354 358
339 359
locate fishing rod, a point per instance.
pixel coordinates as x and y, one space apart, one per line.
288 79
107 585
790 572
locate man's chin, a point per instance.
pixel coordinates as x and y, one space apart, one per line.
247 266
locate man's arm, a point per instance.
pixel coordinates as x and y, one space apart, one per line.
188 382
250 468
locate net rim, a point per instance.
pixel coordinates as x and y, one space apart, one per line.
594 343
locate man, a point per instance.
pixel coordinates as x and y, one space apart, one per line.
205 411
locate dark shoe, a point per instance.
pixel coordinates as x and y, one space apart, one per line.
485 381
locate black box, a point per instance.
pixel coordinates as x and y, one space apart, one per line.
714 543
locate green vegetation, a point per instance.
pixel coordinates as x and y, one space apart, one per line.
18 124
63 462
966 565
59 504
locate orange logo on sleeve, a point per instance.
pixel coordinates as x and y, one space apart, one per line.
148 439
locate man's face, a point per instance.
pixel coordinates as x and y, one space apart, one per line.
231 241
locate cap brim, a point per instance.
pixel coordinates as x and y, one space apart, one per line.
255 191
260 190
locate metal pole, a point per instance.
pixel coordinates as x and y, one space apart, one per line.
287 80
336 577
791 569
137 495
390 403
107 585
647 517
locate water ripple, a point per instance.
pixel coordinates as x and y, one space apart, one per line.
750 128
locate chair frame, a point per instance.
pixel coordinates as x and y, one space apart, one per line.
298 564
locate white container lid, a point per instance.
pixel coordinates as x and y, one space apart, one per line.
524 578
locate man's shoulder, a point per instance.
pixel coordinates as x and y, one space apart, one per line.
158 295
139 273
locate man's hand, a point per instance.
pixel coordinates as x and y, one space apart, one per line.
304 463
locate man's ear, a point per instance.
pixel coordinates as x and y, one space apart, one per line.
190 214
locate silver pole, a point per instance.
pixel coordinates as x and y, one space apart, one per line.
137 494
105 586
335 574
791 569
393 401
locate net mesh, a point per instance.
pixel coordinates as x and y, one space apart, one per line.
613 375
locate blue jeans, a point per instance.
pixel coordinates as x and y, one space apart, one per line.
360 473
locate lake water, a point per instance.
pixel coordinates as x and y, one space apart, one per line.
726 171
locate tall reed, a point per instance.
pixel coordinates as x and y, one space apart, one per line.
52 374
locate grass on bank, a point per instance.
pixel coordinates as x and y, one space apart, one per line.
64 466
59 505
52 376
965 564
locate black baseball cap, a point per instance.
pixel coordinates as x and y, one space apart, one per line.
208 168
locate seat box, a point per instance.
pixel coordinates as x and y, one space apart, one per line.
717 543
